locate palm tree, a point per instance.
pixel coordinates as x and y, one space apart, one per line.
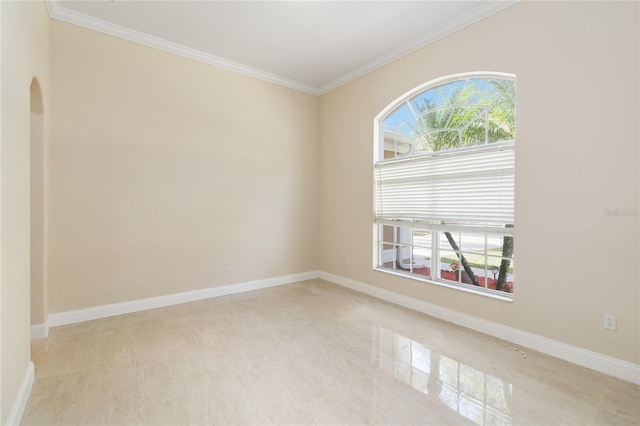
464 114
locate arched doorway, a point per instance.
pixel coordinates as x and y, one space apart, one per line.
38 306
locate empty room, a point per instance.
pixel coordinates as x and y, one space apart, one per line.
319 212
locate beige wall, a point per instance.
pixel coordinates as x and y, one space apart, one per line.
577 156
164 169
24 50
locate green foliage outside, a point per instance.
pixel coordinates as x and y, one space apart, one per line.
465 115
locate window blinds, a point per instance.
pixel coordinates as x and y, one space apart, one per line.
474 186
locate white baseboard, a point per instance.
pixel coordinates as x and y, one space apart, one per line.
39 331
104 311
605 364
20 403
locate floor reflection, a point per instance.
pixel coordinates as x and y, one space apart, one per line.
478 396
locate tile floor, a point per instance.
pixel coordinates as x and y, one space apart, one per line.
307 353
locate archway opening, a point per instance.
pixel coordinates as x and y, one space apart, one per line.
37 187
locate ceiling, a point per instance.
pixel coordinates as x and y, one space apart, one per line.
312 46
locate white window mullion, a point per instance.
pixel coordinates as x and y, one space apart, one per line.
435 273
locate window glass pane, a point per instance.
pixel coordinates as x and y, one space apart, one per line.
483 91
457 119
495 263
388 233
474 133
447 94
502 114
398 116
474 276
477 270
422 238
493 268
472 243
403 257
449 266
425 101
494 245
422 261
474 260
387 254
385 246
509 278
403 235
409 129
389 154
396 144
443 139
444 240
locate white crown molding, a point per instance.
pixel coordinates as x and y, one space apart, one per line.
432 36
104 311
24 392
56 11
605 364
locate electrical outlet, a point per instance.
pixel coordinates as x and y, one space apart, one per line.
348 261
610 322
227 267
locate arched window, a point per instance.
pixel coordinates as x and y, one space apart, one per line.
444 183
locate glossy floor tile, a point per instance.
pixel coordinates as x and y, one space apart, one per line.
307 353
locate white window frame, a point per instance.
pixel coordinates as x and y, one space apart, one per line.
436 229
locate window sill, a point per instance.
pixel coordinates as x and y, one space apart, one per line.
505 297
